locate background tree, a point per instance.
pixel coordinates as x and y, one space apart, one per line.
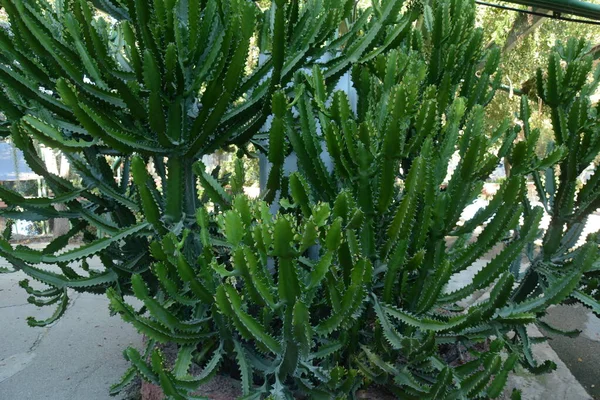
525 41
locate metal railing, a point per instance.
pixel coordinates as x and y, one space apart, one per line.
579 8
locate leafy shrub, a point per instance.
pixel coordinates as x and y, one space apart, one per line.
347 285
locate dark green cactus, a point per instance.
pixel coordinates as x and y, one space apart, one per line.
160 84
347 285
409 122
565 87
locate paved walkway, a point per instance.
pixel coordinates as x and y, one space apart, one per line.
580 354
77 358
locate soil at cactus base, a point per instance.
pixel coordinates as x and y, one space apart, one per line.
227 388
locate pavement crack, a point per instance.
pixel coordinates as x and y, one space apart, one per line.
14 305
73 299
38 340
87 376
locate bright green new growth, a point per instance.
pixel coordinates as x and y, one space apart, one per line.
262 321
347 285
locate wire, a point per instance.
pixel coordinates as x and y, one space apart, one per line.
539 14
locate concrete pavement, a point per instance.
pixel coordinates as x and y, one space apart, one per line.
580 354
77 358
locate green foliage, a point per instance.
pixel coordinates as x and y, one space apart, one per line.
278 325
133 101
526 42
349 283
566 87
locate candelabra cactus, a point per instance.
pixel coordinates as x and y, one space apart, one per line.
565 88
157 84
347 285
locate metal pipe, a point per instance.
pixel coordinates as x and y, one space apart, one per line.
574 7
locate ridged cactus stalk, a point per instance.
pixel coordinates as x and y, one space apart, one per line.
568 195
347 285
136 86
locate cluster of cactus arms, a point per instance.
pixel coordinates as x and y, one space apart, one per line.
567 196
139 85
417 106
230 308
347 284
